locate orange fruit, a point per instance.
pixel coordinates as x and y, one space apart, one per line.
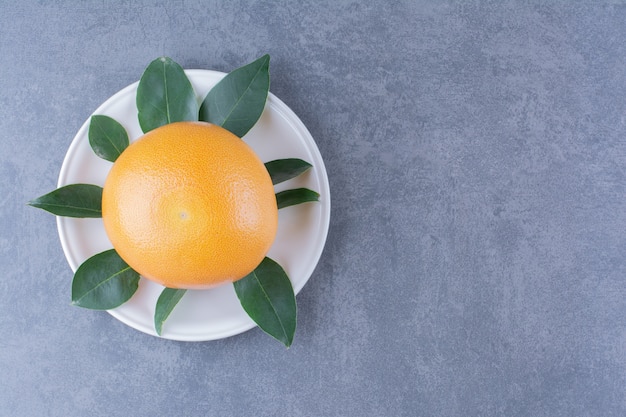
190 205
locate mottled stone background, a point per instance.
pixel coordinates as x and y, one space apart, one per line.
475 264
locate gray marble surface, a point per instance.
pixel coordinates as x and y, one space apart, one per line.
475 264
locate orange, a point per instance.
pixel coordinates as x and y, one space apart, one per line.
190 205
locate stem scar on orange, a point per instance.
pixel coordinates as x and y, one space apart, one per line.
190 205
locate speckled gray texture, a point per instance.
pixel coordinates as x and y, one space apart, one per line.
475 264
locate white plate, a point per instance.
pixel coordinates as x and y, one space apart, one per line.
216 313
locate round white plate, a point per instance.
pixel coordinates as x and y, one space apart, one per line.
206 314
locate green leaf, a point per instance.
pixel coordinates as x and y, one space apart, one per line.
74 200
107 137
165 95
165 304
267 296
238 100
103 282
285 169
296 196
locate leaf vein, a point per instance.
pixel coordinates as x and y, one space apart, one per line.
102 283
72 207
271 305
232 109
167 102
